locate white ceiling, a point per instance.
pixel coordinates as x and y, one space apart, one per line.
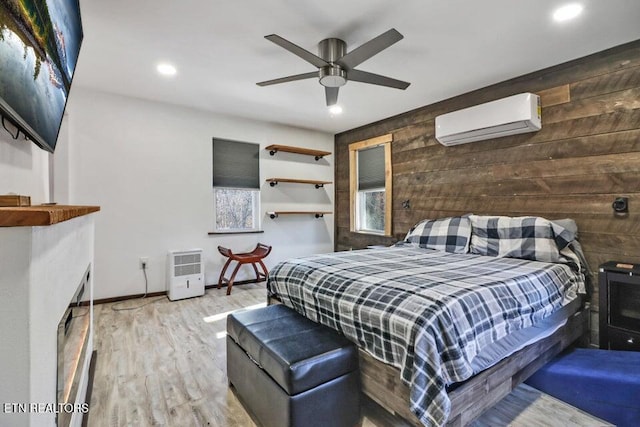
450 47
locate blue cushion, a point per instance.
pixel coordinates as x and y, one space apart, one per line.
604 383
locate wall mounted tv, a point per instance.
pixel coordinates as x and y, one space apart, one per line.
39 46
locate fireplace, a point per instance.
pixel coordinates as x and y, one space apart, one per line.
73 342
45 256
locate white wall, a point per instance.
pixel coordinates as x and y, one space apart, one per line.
24 168
148 165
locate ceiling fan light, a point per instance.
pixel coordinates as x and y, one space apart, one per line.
335 109
332 81
333 76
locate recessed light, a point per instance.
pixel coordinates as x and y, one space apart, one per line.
335 109
567 12
166 69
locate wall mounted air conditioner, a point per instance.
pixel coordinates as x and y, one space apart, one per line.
185 275
507 116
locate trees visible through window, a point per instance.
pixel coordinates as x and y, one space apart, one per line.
371 210
236 208
236 186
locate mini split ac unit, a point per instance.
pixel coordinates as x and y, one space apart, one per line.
508 116
185 276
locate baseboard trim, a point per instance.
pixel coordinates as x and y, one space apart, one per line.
126 297
162 293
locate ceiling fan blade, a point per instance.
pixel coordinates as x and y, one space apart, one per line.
297 50
332 95
370 48
289 79
376 79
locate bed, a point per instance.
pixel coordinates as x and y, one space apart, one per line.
435 321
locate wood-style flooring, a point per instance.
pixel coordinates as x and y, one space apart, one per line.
163 364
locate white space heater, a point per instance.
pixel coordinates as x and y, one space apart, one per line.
185 276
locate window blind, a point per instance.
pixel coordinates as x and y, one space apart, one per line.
371 168
236 164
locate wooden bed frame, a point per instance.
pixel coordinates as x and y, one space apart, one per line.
381 382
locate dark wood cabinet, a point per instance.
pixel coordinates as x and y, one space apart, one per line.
619 287
621 339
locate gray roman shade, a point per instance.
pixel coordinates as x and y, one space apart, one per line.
236 164
371 168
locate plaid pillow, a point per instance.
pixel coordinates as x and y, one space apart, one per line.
527 237
446 234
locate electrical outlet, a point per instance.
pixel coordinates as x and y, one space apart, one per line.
144 262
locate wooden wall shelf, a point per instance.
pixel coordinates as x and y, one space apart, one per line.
41 215
318 154
317 214
274 181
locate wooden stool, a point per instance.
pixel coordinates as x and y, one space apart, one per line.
254 257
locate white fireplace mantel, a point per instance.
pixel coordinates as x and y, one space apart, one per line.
44 254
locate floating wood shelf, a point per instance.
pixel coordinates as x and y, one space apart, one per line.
274 181
317 214
318 154
41 215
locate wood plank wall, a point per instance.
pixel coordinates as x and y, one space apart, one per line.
587 153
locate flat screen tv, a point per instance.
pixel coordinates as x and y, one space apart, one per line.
39 46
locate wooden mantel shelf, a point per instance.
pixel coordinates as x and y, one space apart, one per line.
27 216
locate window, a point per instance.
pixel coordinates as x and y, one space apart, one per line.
370 185
236 186
370 207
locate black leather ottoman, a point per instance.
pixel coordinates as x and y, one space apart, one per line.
290 371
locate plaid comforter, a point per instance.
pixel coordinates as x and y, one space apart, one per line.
425 312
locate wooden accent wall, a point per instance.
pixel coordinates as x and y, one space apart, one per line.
587 153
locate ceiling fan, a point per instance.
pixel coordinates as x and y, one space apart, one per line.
336 66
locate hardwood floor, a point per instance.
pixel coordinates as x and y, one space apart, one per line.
163 364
